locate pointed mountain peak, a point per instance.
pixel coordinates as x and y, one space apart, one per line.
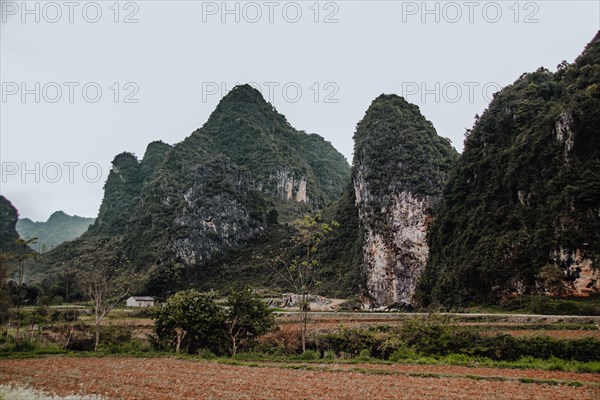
58 215
244 93
393 100
595 40
243 98
245 102
591 51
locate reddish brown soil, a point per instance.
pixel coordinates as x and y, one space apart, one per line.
169 378
143 326
327 325
556 334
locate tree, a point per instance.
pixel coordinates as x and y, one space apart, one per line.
105 287
68 279
246 318
190 320
4 292
300 271
106 278
552 279
23 252
3 270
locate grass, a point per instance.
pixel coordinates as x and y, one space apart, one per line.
540 327
587 306
322 367
552 364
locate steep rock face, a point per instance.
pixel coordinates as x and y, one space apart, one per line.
395 262
8 223
291 188
121 195
521 210
580 272
400 165
123 187
207 224
212 193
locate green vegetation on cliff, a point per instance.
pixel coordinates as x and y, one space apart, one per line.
226 187
399 170
396 149
8 223
522 204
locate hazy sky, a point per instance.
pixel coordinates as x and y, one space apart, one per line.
83 81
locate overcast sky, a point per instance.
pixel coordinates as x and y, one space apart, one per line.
84 81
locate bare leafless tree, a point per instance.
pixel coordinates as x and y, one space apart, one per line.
68 277
106 278
105 287
23 253
300 272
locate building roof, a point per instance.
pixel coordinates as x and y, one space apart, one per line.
142 298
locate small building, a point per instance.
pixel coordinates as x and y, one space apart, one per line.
140 301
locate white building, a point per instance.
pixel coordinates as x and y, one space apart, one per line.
140 301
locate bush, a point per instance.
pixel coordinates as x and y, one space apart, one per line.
435 337
285 341
403 353
310 355
364 355
190 320
68 315
119 339
329 355
206 354
247 317
350 341
390 346
23 345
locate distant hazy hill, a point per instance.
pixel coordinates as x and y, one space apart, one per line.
59 228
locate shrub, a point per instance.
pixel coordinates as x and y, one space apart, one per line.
190 320
365 355
402 353
329 355
350 341
310 355
436 336
246 318
119 339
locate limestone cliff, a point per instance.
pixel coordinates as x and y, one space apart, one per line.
8 222
521 210
400 165
213 192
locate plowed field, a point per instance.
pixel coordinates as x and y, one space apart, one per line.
171 378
